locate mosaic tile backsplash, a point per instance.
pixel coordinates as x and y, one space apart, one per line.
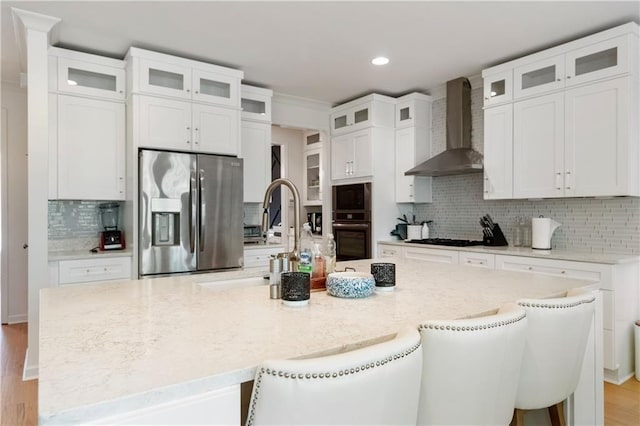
588 225
74 219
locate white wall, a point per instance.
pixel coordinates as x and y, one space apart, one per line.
14 101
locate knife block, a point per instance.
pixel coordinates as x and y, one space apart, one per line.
498 238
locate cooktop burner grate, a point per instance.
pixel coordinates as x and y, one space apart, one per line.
447 242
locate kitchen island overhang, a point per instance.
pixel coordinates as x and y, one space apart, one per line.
114 348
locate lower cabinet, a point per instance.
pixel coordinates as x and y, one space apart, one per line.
89 270
617 282
259 256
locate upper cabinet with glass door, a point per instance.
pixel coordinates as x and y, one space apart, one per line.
166 75
84 74
256 103
372 110
601 56
498 88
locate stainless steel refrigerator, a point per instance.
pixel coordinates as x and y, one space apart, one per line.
190 211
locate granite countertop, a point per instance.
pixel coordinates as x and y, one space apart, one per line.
263 245
112 347
605 258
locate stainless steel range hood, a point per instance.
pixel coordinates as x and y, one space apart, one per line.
459 158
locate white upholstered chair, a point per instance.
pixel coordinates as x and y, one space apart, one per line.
471 368
556 342
378 384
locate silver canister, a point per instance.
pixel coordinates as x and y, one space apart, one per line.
275 269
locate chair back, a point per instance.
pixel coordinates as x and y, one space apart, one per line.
556 343
378 384
471 368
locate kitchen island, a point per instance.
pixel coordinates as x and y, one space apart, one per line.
118 351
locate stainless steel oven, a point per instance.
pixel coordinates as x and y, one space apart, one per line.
352 221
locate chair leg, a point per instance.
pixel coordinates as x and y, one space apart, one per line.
556 413
518 418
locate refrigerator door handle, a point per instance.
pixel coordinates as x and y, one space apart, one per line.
192 211
203 211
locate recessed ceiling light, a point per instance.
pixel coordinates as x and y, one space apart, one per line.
380 60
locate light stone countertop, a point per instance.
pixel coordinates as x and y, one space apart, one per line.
58 255
112 347
264 246
576 256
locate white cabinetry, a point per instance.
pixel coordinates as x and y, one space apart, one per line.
413 146
351 155
575 121
372 110
184 105
431 254
618 284
498 152
89 270
256 152
256 142
576 143
312 169
498 88
476 259
86 127
258 256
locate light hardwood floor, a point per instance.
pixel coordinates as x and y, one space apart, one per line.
20 399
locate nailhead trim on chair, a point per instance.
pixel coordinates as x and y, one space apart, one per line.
471 328
328 375
556 305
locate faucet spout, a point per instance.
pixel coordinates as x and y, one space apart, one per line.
293 255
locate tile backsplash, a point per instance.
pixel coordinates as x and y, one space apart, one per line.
588 224
74 219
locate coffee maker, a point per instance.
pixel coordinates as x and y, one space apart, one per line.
111 238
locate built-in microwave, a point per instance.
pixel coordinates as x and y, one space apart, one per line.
352 202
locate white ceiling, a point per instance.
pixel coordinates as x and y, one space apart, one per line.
322 50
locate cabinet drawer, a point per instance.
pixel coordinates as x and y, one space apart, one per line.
561 268
432 255
259 257
479 260
388 251
86 270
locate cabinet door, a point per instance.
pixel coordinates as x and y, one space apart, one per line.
216 88
313 177
498 88
256 152
539 77
405 114
432 255
341 157
478 260
597 139
498 152
91 143
600 60
362 162
405 160
165 123
165 79
216 129
90 79
538 147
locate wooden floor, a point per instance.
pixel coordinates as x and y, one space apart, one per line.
20 399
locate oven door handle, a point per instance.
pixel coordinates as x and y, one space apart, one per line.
347 226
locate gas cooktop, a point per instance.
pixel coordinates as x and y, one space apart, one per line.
446 242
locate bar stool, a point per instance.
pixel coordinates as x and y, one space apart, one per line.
471 368
556 343
378 384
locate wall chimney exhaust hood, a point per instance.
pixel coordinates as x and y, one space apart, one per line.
459 158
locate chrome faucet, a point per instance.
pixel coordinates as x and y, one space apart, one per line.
294 254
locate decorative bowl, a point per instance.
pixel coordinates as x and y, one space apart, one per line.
350 284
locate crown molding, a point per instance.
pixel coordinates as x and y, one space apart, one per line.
24 20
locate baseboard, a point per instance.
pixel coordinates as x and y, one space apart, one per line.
611 376
17 319
30 372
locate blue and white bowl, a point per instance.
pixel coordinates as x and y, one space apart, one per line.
350 284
